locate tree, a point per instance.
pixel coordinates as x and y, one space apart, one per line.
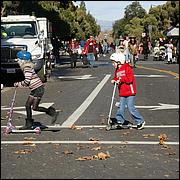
159 18
134 10
9 7
83 6
134 27
118 28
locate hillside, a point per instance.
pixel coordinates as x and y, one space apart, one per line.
105 25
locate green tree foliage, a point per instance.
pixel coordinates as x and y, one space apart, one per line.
148 20
93 28
9 7
131 23
134 10
134 27
118 28
136 20
68 20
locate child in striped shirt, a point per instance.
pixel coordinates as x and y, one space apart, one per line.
37 89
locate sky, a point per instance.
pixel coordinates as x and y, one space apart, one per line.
114 10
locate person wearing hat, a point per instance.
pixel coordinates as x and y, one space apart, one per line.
124 77
37 90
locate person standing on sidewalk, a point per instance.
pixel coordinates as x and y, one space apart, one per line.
124 77
37 90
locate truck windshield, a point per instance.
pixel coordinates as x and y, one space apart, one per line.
19 29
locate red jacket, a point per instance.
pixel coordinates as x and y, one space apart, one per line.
86 47
127 85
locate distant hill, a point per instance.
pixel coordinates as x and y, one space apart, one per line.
105 25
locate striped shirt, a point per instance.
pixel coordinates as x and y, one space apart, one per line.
31 80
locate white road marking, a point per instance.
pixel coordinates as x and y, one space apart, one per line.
92 142
76 77
103 126
46 105
79 111
151 75
160 107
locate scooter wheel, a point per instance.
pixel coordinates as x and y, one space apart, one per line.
108 127
38 130
6 130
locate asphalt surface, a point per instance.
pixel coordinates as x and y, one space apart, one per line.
81 148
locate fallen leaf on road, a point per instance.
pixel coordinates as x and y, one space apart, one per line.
29 143
96 148
68 152
95 141
84 158
100 156
109 147
23 151
29 138
162 138
80 146
103 156
148 135
56 145
75 127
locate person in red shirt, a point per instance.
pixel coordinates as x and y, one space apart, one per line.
90 50
124 77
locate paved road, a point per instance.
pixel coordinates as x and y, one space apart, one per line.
83 96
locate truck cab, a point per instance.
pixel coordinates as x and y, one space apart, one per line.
23 32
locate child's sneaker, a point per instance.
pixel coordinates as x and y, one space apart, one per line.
118 124
141 126
127 124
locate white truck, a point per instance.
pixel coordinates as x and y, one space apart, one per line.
24 32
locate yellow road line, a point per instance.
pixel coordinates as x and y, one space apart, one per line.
162 70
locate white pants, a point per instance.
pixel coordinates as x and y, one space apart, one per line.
169 55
